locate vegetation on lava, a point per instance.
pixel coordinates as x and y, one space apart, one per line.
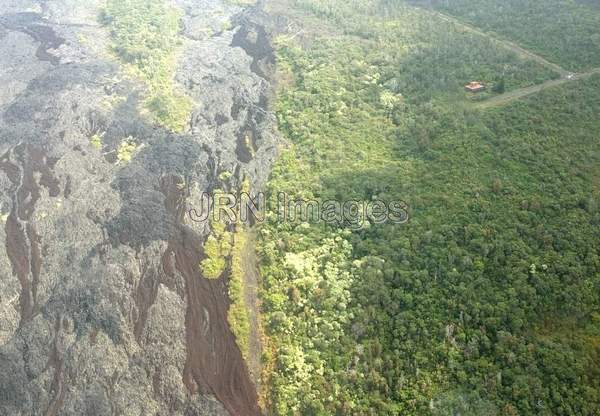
145 35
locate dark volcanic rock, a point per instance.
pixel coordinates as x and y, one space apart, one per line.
103 308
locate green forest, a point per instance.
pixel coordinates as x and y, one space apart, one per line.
564 31
487 301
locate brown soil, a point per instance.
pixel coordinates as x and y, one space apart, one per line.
251 281
57 362
33 25
214 362
21 164
145 296
22 241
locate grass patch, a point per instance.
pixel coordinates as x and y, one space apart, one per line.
238 317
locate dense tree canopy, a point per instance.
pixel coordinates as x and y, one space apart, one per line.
486 302
566 32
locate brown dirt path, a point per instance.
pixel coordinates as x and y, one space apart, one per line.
503 99
522 52
511 96
251 282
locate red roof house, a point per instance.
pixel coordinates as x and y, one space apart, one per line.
474 86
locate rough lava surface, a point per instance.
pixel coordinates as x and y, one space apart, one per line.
103 307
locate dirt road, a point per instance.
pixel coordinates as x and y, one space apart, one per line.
251 281
524 53
503 99
510 96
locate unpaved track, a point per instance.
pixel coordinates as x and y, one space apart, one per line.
251 281
524 53
524 92
503 99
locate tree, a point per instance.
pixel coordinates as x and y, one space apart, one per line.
499 86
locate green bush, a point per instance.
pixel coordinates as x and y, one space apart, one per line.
217 249
126 149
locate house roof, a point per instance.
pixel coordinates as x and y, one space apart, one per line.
474 85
